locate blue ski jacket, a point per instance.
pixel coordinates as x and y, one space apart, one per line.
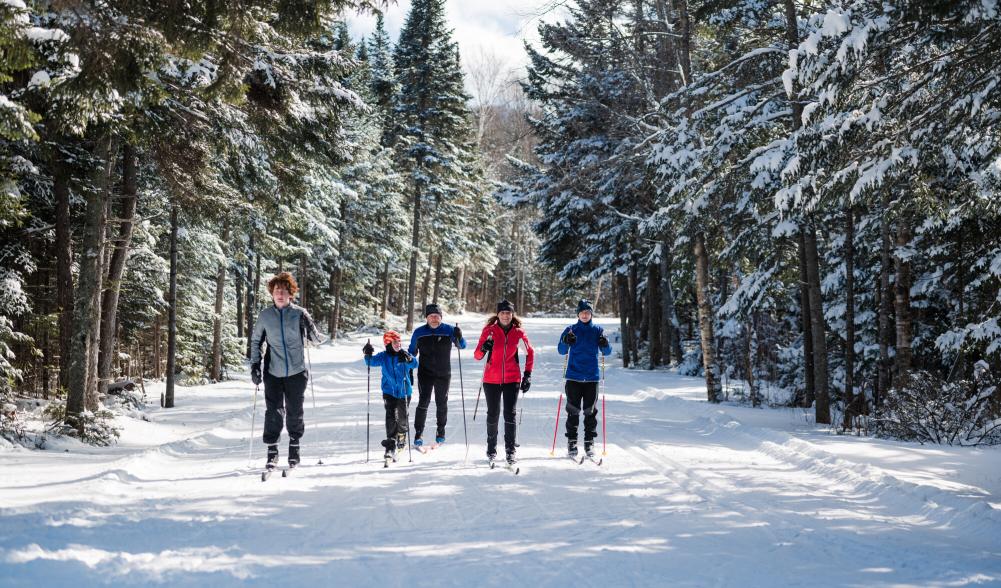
395 377
582 364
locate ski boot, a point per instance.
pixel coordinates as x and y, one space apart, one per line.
401 441
589 448
418 443
293 453
272 456
511 460
439 439
572 448
390 455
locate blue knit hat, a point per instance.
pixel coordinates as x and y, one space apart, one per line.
583 305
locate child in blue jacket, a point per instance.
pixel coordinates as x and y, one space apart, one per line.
396 364
581 343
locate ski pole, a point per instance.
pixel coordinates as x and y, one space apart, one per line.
406 419
490 337
368 408
556 429
312 392
309 365
604 438
477 407
253 418
462 396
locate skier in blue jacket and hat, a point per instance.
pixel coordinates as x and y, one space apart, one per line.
582 342
396 389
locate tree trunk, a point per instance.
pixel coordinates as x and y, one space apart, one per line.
653 314
157 348
823 409
709 364
252 284
109 307
597 292
849 399
64 263
385 289
460 287
623 289
426 285
168 396
303 282
414 250
635 306
437 279
807 328
672 339
87 306
902 301
238 282
220 290
338 287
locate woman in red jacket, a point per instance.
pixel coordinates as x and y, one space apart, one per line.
502 375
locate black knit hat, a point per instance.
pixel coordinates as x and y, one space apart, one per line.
583 305
433 309
505 305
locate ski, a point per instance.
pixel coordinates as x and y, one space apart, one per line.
267 474
597 462
512 467
574 459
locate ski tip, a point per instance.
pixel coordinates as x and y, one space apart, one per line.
284 473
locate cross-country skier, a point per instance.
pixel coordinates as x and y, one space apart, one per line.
395 362
502 376
431 344
582 341
285 327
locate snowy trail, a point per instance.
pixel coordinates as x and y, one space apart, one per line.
689 495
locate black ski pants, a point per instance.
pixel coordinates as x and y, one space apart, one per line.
495 393
426 384
283 398
586 394
397 420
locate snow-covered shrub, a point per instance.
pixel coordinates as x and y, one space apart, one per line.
931 410
125 395
691 363
11 425
94 428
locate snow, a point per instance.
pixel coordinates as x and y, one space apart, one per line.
690 494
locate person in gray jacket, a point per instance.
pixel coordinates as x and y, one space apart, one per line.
285 328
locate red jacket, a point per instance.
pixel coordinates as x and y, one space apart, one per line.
502 366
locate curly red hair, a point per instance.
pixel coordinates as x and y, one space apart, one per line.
283 279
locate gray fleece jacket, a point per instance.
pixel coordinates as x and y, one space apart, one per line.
285 332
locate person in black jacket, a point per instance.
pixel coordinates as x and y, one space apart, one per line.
431 344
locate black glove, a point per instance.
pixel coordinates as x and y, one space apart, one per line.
368 349
405 357
526 381
255 374
456 334
602 341
569 338
487 346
